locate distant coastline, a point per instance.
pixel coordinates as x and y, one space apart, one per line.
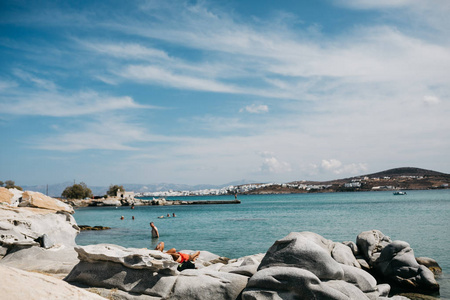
390 180
394 179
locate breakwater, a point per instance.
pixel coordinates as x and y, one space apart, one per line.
183 202
144 202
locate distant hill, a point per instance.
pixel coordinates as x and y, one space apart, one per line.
406 171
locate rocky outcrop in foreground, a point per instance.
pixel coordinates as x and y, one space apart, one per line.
303 265
36 232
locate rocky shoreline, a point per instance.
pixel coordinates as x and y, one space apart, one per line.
37 233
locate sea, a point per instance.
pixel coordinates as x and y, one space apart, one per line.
421 218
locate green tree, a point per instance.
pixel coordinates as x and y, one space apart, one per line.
77 191
113 190
9 184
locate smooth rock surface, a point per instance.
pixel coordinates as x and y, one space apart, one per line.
19 284
247 265
344 255
22 226
56 260
295 282
430 264
39 200
398 264
199 284
133 258
106 274
6 196
298 250
349 290
370 243
360 278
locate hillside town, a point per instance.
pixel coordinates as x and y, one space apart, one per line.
364 183
390 180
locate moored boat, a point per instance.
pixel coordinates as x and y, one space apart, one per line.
399 193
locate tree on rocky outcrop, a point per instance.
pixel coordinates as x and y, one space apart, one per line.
113 190
77 191
10 184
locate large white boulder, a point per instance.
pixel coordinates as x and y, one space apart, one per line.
151 272
304 265
298 283
398 265
58 260
37 239
370 243
305 251
133 258
39 200
22 226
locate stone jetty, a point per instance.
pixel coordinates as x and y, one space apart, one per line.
39 236
142 202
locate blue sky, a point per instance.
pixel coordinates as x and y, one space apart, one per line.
216 91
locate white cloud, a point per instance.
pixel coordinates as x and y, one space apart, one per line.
108 133
158 75
255 109
370 4
431 100
127 51
297 66
7 84
39 82
335 166
57 104
271 164
331 164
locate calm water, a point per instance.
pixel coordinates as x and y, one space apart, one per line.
421 218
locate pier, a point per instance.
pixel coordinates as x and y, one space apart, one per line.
180 202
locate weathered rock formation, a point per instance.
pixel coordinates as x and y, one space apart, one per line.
394 262
37 232
14 198
300 266
153 273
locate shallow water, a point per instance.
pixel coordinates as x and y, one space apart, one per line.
234 230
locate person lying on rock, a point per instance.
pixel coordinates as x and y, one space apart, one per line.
185 260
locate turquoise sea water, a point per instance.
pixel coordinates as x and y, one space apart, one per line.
422 218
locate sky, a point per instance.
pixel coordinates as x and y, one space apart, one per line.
210 92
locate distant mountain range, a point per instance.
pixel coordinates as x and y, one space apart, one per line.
55 190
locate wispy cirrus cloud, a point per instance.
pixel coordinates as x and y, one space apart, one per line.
153 74
59 104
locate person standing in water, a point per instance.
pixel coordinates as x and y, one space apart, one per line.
155 232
